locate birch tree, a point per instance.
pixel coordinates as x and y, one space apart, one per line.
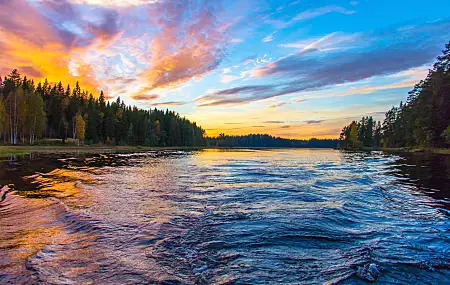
36 117
3 120
80 128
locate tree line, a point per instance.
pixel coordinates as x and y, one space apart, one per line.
263 140
364 133
423 121
29 113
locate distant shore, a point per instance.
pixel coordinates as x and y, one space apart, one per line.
20 150
6 150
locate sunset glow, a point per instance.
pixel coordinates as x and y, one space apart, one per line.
296 69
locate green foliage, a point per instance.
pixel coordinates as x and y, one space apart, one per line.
365 133
28 113
36 117
446 135
422 121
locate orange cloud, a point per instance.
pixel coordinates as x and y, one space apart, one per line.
186 46
40 49
50 60
145 97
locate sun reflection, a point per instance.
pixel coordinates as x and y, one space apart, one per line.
60 182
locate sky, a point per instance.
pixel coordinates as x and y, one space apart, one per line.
296 69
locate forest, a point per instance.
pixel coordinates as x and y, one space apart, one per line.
29 113
262 140
423 121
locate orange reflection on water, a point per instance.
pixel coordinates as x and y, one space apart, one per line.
59 183
30 226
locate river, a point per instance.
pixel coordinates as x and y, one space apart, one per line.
225 217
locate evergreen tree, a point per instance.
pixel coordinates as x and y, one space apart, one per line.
420 122
28 113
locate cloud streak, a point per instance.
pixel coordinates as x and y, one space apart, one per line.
331 42
314 13
169 103
145 97
313 122
307 72
277 105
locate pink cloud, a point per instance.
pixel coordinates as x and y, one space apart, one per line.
189 43
277 105
145 97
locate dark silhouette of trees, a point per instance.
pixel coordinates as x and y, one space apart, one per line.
365 133
262 140
54 112
423 121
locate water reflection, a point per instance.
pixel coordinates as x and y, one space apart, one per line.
429 173
225 217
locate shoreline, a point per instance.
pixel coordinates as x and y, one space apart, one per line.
23 150
443 151
6 150
26 149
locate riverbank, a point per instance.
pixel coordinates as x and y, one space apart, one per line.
7 150
445 151
23 150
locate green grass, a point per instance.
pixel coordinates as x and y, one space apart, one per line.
7 151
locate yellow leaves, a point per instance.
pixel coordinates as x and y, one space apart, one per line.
80 127
354 134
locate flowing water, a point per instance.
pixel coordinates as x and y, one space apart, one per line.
225 217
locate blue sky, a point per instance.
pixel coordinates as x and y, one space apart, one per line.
296 69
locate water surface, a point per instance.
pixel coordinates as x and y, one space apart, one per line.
225 217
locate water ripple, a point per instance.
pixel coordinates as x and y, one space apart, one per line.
227 217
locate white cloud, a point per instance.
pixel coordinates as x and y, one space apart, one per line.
416 73
269 38
228 78
236 40
333 41
313 13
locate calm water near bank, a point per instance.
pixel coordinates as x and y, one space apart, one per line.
225 217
